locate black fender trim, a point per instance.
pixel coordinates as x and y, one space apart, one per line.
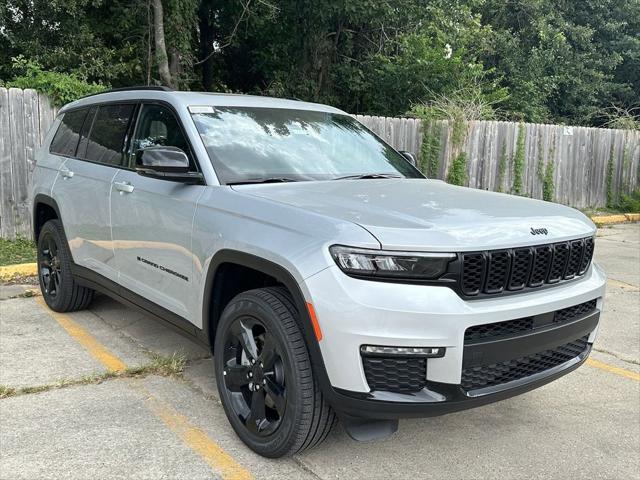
287 279
41 198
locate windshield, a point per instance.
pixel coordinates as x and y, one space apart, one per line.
258 144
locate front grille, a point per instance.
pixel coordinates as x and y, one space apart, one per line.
494 272
399 375
526 325
482 376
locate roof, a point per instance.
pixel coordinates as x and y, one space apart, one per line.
201 98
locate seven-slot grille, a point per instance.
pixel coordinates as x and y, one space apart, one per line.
497 271
482 376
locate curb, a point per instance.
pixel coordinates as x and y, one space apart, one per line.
20 270
601 220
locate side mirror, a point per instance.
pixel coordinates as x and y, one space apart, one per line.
410 158
166 163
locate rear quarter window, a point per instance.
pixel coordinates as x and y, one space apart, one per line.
65 141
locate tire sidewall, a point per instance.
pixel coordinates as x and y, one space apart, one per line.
278 443
54 228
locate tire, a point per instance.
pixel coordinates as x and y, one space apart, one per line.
261 325
59 288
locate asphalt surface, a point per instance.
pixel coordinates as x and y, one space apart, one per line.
585 425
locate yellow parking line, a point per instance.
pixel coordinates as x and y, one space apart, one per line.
615 370
199 442
194 437
84 338
621 284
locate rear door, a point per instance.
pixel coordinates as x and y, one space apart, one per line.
152 219
93 156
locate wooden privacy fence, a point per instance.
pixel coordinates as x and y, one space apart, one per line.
582 166
576 166
25 118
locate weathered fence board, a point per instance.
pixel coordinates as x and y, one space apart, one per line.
580 157
6 195
25 118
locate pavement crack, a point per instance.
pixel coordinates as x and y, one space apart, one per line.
622 358
172 366
305 467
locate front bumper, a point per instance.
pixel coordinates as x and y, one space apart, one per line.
353 312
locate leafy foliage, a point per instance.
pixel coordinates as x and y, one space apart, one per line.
518 161
458 171
535 60
609 180
547 183
60 87
430 150
630 203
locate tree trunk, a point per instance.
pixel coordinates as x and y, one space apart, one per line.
207 36
161 48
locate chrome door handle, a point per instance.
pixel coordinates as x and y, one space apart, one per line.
66 173
124 187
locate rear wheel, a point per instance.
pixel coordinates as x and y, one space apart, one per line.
59 289
264 376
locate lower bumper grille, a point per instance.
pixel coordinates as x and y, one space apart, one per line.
474 378
399 375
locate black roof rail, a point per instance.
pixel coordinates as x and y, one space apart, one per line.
157 88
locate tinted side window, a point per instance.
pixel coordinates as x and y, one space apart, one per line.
158 126
106 139
84 133
66 138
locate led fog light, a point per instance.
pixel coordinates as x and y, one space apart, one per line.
429 352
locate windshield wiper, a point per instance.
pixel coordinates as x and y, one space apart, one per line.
263 180
366 176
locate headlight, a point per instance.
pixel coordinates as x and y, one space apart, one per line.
386 264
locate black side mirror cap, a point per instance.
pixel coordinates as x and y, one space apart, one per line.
166 163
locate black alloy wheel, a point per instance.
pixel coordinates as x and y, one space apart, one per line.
59 287
254 376
264 375
49 265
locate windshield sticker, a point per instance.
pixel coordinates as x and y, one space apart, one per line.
201 109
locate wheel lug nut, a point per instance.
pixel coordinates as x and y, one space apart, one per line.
253 362
250 374
261 365
264 382
224 373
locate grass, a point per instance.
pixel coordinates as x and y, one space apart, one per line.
17 251
630 203
164 366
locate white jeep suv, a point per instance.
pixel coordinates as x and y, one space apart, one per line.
328 276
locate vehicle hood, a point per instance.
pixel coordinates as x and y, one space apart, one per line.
431 215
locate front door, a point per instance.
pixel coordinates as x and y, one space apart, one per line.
152 220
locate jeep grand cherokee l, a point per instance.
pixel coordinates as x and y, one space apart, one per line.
330 278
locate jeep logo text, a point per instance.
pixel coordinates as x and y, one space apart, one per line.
539 231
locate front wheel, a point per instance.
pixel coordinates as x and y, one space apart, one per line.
264 375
